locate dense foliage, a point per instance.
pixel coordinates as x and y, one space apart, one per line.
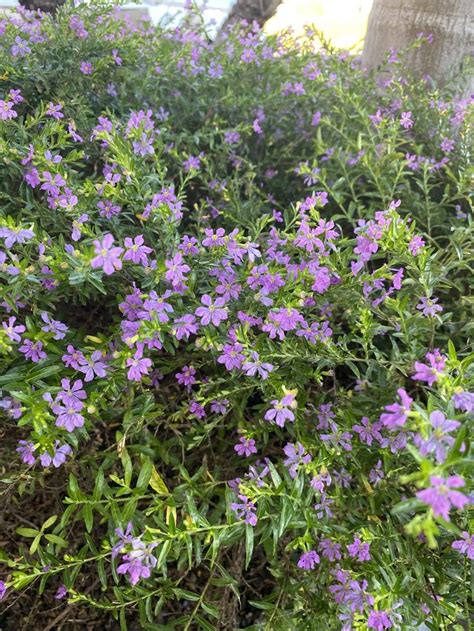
236 342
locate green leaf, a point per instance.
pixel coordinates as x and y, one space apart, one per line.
28 532
35 544
22 580
55 539
145 473
88 517
157 483
127 466
452 352
74 491
49 522
249 539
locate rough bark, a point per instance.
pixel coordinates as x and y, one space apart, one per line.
394 24
252 10
48 6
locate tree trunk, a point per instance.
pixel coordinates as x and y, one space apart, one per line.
252 10
49 6
394 24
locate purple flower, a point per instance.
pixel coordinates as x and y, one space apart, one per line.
397 414
296 456
428 306
430 372
231 357
342 478
367 431
54 326
6 110
338 438
73 132
77 226
13 331
245 447
185 326
73 358
71 395
359 550
25 449
15 235
282 321
245 509
212 312
441 497
33 350
197 410
325 416
156 307
416 244
465 545
108 257
376 475
256 127
280 412
94 366
139 561
308 238
322 508
308 560
136 251
68 417
3 590
351 593
55 111
331 550
138 365
20 47
406 120
189 245
254 366
12 407
61 592
59 456
322 280
116 57
176 270
144 146
193 162
439 440
320 481
316 119
125 538
186 376
52 184
15 96
219 406
231 137
379 621
464 401
357 596
227 287
86 67
108 209
214 239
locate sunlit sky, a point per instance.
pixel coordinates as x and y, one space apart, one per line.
342 21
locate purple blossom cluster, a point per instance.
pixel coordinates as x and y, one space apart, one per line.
138 559
220 284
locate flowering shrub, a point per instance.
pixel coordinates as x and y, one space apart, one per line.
236 330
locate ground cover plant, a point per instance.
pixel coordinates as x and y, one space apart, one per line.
237 363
